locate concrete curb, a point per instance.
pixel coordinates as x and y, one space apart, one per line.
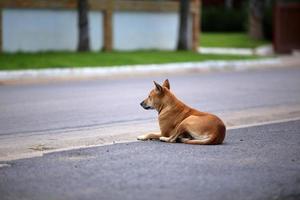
134 70
265 50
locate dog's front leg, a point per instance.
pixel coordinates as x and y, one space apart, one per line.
149 136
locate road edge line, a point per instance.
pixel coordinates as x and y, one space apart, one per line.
264 123
41 154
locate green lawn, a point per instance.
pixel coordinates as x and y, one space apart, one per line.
68 59
237 40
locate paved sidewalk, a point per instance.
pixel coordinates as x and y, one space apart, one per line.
41 143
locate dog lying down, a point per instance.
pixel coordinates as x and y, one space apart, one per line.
180 123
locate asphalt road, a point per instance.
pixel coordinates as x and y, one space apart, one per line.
255 163
26 109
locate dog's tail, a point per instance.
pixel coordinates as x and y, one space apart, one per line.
205 141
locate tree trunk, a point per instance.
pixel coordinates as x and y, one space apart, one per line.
183 26
228 4
83 25
256 18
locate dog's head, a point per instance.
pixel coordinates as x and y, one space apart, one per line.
156 97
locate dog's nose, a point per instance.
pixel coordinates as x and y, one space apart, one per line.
142 103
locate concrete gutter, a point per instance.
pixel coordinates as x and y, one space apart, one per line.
24 76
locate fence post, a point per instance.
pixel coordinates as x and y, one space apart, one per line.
196 25
108 25
1 49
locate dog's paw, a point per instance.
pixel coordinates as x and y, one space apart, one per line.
164 139
142 137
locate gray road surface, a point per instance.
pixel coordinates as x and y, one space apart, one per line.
28 109
256 163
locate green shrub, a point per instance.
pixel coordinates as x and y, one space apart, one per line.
219 19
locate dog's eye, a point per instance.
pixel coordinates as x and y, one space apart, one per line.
149 96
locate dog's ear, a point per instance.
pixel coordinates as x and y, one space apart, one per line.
158 87
166 84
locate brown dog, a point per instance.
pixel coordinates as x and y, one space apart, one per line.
178 122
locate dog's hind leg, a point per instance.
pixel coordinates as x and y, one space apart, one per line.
179 133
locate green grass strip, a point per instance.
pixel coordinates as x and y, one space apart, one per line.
20 61
232 40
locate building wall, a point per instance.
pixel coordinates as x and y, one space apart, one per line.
32 30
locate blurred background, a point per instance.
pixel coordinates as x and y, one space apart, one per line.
142 31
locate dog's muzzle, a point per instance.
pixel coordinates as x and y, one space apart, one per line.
145 106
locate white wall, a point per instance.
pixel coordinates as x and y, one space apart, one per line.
32 30
145 30
96 30
45 30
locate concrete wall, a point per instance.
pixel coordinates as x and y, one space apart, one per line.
145 30
32 30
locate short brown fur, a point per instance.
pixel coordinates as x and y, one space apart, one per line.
179 122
